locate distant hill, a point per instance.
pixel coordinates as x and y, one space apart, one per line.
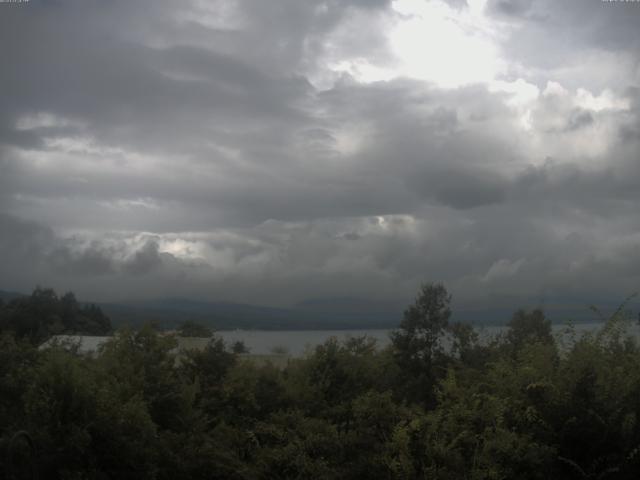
327 313
312 315
324 313
558 310
6 296
350 305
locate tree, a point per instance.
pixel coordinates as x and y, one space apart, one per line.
189 328
143 363
43 314
208 368
417 342
529 327
92 321
239 347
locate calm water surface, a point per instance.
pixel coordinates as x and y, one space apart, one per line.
296 342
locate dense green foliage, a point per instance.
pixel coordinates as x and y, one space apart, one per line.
44 313
189 328
435 404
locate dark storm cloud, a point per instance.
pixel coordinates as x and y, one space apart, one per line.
168 100
610 192
211 149
145 259
99 64
33 254
466 189
115 88
91 261
21 239
578 119
509 7
34 245
587 38
630 132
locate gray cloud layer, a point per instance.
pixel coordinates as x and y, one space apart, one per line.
213 149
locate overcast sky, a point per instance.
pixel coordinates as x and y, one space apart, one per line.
273 151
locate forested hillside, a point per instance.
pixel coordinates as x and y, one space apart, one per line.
525 406
44 313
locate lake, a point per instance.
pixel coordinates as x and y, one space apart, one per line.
297 342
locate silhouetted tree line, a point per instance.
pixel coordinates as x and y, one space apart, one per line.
190 328
435 404
43 313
